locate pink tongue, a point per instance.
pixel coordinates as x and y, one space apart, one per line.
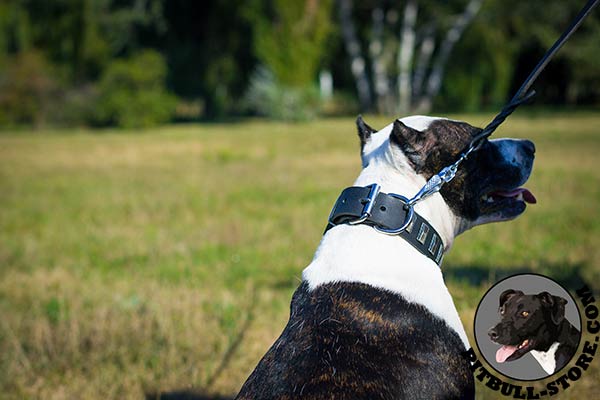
504 352
527 195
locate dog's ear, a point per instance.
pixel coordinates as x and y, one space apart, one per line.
364 132
507 294
555 304
414 144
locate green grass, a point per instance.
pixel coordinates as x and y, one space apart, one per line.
137 262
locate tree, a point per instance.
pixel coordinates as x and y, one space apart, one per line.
289 37
418 81
434 83
27 89
357 61
133 94
573 75
289 41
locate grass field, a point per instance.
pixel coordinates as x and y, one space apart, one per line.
134 263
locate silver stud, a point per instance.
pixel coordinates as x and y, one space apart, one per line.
432 244
423 231
440 253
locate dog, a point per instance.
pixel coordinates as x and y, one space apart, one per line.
372 318
535 324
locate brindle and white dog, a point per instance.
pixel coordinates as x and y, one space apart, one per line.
373 318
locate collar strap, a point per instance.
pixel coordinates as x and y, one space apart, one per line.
388 213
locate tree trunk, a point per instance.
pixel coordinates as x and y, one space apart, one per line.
353 48
426 48
434 82
405 56
380 81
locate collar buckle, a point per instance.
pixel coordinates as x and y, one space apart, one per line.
368 204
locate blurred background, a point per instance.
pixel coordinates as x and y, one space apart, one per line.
167 169
138 63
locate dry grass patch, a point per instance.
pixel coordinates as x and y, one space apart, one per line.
137 262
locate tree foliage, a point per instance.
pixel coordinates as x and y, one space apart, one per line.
63 60
289 37
132 92
269 98
27 87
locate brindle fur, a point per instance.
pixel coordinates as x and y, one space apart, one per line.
354 341
440 145
364 131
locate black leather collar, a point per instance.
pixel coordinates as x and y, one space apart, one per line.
386 213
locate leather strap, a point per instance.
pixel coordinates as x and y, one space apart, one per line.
387 212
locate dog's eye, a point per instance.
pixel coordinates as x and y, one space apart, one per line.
524 313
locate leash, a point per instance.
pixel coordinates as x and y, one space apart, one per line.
523 95
393 214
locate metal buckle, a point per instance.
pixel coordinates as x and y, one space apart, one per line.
368 206
409 216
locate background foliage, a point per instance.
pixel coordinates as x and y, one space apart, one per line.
132 93
58 59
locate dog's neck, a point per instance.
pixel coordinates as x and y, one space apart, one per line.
360 254
401 179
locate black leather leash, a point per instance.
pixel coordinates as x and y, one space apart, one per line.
524 94
393 214
388 214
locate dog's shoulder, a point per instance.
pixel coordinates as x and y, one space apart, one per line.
360 342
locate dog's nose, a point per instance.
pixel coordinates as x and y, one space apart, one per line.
493 334
529 146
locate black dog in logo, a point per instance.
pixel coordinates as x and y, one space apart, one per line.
534 324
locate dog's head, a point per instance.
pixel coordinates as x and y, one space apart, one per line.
487 185
527 322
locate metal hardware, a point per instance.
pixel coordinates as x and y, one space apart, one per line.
432 243
410 213
435 183
440 253
523 95
410 226
423 231
368 205
357 202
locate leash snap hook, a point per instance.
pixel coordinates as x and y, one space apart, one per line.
448 173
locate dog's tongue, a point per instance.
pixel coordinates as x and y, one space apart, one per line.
528 197
504 352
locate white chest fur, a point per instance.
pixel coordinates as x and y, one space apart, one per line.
361 254
547 359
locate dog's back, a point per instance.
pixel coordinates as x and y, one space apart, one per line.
354 341
373 318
